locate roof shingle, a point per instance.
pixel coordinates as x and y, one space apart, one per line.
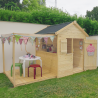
53 28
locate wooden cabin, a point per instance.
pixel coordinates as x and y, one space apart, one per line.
70 55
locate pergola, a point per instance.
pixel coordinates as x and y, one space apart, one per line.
13 52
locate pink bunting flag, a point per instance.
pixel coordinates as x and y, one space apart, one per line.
25 40
20 41
46 39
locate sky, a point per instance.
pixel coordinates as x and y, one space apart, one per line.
78 7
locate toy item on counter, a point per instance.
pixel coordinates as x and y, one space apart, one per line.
32 56
28 55
47 48
43 46
25 56
51 48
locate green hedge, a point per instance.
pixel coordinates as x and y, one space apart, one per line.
49 16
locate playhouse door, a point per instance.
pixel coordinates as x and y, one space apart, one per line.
90 54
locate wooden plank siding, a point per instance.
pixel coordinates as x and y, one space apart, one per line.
49 61
65 61
90 62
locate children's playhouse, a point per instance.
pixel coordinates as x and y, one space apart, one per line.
63 49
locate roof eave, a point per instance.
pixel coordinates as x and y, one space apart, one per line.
56 33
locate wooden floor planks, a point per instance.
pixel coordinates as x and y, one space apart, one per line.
20 80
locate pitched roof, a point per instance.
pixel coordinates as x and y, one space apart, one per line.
53 28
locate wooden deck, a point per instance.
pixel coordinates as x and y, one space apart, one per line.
20 80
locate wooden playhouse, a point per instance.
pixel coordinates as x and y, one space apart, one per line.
70 45
71 53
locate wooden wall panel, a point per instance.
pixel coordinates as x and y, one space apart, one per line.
63 45
65 61
49 61
72 32
54 64
90 62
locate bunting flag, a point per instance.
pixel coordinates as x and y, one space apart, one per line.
3 40
31 39
25 40
11 39
20 38
17 37
52 38
46 39
20 41
8 40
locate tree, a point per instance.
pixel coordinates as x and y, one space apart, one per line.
42 2
11 6
32 4
93 14
3 2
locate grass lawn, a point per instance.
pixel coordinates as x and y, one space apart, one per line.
81 85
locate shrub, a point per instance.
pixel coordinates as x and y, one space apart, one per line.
49 16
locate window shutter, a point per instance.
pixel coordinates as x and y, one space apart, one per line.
64 46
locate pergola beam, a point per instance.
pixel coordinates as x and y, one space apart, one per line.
35 35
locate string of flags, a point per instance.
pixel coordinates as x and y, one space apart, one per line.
21 38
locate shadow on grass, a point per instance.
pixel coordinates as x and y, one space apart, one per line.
4 81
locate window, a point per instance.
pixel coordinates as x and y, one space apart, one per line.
64 46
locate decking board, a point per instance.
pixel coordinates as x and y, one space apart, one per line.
20 80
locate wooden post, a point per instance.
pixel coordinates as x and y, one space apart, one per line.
14 60
3 57
72 50
72 46
57 53
83 52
